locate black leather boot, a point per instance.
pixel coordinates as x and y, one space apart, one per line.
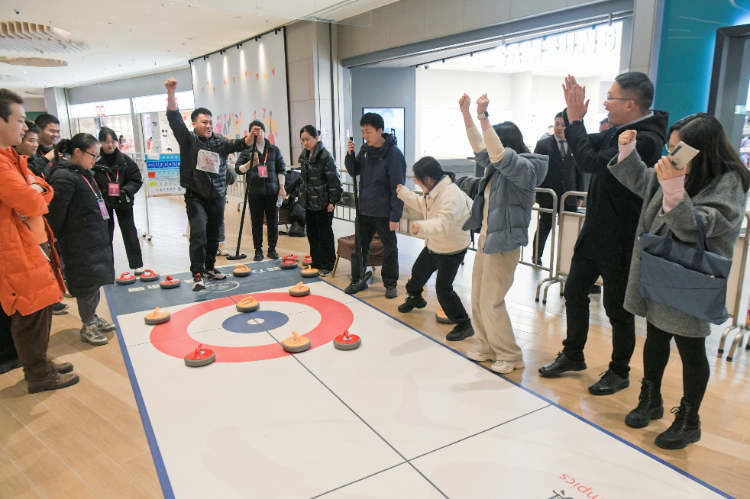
650 406
685 430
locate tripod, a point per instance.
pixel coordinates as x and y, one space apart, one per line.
237 255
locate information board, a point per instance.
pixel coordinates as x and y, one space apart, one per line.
163 175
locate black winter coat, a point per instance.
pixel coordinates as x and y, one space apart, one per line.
82 234
321 183
124 172
380 170
562 176
270 158
612 210
40 166
205 184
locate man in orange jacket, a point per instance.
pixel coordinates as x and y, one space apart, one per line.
31 282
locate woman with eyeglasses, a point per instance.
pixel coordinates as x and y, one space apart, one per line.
79 220
712 186
319 192
119 178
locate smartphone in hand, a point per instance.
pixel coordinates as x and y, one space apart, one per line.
681 155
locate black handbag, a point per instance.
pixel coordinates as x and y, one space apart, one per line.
687 278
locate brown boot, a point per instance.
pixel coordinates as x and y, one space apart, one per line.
60 367
52 381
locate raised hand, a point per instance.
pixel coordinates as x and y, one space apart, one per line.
464 102
482 102
575 98
627 137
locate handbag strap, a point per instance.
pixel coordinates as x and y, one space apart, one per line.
701 241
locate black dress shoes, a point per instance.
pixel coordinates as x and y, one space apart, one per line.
609 383
562 364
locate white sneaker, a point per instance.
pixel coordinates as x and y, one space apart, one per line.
90 334
215 274
479 356
507 366
222 251
138 271
104 326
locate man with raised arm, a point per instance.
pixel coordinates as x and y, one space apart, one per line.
203 168
605 244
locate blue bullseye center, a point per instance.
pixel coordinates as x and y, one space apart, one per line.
255 322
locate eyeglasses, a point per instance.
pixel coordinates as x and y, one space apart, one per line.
95 156
669 147
617 98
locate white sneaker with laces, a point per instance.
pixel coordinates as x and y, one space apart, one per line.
215 274
479 356
507 366
90 334
104 326
138 271
222 251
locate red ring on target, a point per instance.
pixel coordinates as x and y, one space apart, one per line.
172 339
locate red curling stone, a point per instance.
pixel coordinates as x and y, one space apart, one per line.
125 278
200 357
170 283
347 341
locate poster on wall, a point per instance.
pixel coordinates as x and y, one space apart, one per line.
163 172
246 83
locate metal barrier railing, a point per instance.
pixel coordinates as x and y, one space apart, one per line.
554 213
735 314
564 253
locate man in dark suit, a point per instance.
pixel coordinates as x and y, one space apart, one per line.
562 176
605 244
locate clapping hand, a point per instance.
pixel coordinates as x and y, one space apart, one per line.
575 98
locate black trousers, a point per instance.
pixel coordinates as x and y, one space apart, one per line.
368 226
264 205
7 347
545 226
320 236
583 274
695 369
446 266
129 234
205 216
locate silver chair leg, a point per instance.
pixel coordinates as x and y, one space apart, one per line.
735 342
724 338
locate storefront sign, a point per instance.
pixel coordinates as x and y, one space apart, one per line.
598 41
163 172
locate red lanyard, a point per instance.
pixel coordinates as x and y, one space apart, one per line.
116 179
90 187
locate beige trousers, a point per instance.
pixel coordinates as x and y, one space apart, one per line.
491 279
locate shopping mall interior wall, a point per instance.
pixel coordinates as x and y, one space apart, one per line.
687 51
136 86
386 88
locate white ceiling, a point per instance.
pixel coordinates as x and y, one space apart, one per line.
131 37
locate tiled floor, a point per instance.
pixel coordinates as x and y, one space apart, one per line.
88 441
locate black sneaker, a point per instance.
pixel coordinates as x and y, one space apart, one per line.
198 284
353 288
650 406
324 273
561 364
215 274
258 255
59 308
272 254
412 302
391 292
461 331
609 383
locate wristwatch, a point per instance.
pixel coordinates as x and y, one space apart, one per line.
483 115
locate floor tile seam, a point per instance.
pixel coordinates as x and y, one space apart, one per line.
143 485
481 432
360 479
20 471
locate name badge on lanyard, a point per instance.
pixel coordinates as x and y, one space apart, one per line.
114 187
262 169
102 206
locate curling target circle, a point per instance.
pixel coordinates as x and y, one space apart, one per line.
173 338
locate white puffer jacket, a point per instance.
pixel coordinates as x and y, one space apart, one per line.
442 213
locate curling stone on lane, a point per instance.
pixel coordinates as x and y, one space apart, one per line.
149 275
442 318
241 271
296 343
299 290
170 283
157 317
307 261
310 272
200 357
125 278
248 304
289 262
347 341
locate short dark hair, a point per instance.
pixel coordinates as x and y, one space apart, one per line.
201 110
511 136
105 133
32 128
372 119
640 85
559 115
257 123
311 130
45 119
8 97
82 141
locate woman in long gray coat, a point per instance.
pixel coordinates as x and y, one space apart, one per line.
713 185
